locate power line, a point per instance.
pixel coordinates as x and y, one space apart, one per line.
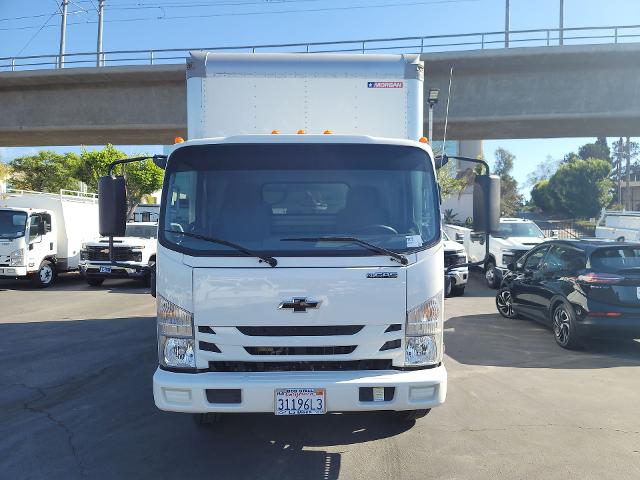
36 34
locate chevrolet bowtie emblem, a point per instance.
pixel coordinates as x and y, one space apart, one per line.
299 304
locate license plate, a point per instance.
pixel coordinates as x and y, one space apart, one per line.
105 269
300 401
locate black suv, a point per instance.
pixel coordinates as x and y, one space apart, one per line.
580 288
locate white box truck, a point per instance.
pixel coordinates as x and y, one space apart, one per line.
300 259
621 226
41 234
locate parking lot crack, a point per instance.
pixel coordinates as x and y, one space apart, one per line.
28 406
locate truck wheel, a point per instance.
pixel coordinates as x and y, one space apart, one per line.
45 276
412 415
95 282
458 291
205 419
152 280
491 275
564 327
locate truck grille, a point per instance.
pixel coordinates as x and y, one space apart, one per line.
331 350
101 254
453 258
300 331
323 366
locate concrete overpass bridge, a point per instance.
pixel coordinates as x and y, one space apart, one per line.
533 92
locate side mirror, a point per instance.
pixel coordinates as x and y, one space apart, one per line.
486 203
459 238
112 205
160 161
42 228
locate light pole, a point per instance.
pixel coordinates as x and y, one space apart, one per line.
99 60
63 32
561 30
432 99
507 22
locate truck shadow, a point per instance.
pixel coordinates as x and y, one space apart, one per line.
492 340
77 395
73 281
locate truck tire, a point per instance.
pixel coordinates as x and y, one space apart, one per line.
411 415
458 290
152 280
45 276
491 274
95 282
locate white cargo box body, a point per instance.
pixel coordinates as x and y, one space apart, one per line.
75 219
236 94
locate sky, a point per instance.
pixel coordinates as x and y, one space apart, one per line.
145 24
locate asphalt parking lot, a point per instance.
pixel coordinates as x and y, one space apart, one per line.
76 402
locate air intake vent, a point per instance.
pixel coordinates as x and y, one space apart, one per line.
320 366
209 347
391 345
300 331
208 330
331 350
396 327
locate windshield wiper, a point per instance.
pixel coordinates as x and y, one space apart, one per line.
269 260
394 255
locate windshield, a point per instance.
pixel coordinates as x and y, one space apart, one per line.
615 259
12 224
519 230
141 231
259 195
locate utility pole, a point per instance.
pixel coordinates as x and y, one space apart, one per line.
628 204
506 24
99 59
63 32
619 170
561 30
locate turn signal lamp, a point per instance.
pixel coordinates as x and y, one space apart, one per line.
328 132
275 132
178 140
423 140
301 132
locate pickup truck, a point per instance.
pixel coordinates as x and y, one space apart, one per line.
515 237
456 278
137 250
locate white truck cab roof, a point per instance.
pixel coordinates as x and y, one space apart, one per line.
514 220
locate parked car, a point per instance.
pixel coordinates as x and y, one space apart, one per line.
136 252
580 288
456 278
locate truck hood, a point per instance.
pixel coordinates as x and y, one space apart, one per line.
521 243
259 296
451 246
122 242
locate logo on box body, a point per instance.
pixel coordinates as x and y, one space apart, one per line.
384 84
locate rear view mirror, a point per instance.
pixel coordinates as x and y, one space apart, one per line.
160 161
112 204
486 203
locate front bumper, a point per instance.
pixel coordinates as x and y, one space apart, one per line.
186 392
92 270
13 272
458 276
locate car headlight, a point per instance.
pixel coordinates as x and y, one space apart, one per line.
423 333
176 344
16 258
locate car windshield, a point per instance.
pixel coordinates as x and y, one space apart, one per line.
141 231
258 195
12 224
615 259
513 229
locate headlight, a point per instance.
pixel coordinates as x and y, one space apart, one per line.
16 259
176 345
137 256
423 333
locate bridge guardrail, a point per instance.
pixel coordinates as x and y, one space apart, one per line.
417 44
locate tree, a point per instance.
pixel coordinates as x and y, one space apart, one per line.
598 149
544 171
542 196
510 198
449 181
582 187
45 171
142 178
